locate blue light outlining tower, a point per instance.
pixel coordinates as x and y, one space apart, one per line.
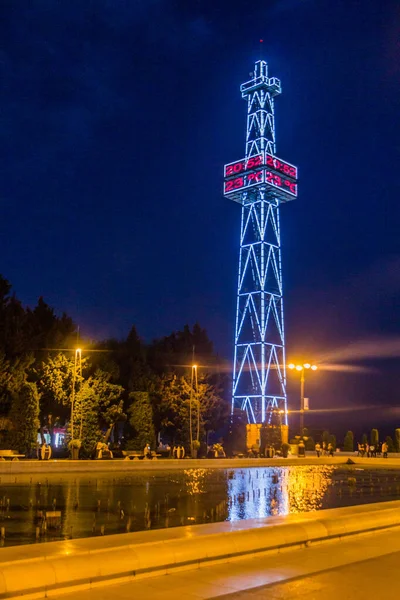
260 182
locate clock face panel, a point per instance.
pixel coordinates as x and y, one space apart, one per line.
281 166
261 169
240 166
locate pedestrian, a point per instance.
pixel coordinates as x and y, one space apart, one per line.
360 449
367 452
324 450
385 449
318 449
372 451
330 449
302 449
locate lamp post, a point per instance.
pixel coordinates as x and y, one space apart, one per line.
193 386
302 368
77 366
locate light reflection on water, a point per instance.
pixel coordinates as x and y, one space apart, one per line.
277 491
148 500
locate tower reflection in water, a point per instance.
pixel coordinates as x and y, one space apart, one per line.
257 493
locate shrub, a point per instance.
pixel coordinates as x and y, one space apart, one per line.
397 438
349 442
285 450
309 443
390 444
374 437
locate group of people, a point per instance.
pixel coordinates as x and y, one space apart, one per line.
372 450
325 449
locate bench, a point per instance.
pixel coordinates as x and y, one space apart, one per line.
135 455
132 455
10 455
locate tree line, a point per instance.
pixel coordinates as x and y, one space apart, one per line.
125 391
373 440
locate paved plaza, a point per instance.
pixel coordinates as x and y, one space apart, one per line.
362 565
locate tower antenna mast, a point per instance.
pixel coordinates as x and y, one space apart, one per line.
260 183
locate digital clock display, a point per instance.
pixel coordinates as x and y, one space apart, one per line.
243 165
279 165
274 172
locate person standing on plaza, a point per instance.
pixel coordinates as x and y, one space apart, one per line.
318 449
372 451
385 450
302 449
330 449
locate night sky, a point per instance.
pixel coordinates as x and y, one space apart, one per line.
117 118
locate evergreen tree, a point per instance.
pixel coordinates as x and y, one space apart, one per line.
374 437
326 437
390 444
24 416
141 421
364 439
397 438
98 407
332 440
349 442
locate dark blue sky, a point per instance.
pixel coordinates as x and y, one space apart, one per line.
117 118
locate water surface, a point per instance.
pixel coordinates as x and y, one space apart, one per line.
91 506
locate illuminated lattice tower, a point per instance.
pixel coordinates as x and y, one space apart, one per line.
260 183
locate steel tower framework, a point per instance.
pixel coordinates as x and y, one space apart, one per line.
260 182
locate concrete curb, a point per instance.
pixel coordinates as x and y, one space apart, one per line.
56 467
40 570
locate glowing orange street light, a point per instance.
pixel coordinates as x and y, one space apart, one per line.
77 367
301 368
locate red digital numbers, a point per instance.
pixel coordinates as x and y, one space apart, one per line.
234 168
282 184
273 179
254 161
242 182
234 184
282 167
242 165
247 172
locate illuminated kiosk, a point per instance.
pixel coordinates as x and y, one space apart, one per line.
260 182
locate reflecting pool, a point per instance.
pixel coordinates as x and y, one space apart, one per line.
59 507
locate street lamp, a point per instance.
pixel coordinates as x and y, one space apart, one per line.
77 367
302 368
193 385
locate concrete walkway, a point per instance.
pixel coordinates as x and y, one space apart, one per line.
56 467
179 558
361 566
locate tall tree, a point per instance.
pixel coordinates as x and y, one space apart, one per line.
177 351
397 439
55 379
374 437
349 442
175 399
24 416
141 421
98 407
